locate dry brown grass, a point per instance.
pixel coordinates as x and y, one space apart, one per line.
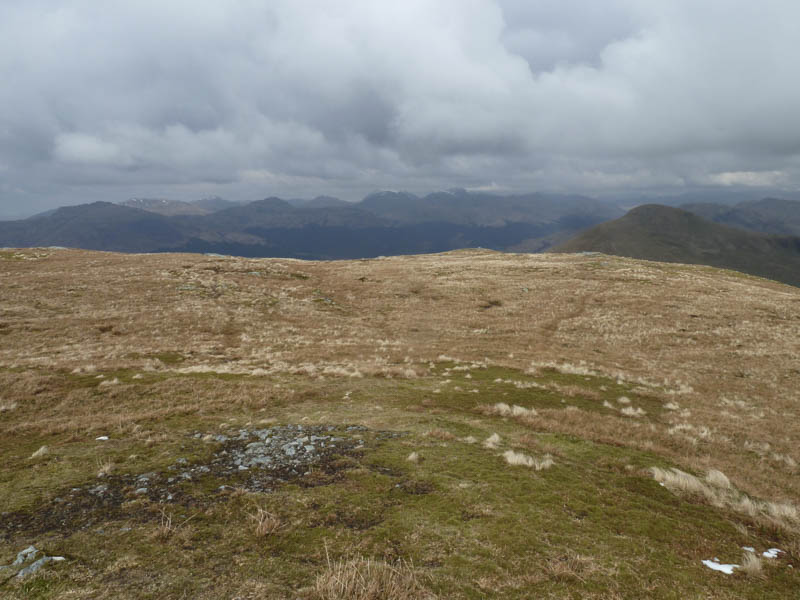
570 566
751 565
166 528
492 442
414 457
718 491
718 349
519 459
105 467
265 523
504 410
40 452
369 579
441 434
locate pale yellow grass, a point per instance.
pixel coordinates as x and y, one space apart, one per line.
265 523
492 442
718 491
369 579
520 459
751 565
504 410
689 336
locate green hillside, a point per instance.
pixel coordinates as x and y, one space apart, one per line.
662 233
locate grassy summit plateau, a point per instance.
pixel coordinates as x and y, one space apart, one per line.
462 425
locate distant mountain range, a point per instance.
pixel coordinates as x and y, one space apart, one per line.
388 223
383 223
770 215
662 233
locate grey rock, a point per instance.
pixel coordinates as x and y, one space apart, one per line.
38 565
140 491
25 555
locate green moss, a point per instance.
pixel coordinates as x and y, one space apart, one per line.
472 525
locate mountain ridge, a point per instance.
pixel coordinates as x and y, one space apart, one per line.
667 234
388 222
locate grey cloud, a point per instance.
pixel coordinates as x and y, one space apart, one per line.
301 97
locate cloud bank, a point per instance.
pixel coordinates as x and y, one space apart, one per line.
299 97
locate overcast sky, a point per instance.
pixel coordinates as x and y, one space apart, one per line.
251 98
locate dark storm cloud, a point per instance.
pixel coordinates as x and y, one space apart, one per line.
246 99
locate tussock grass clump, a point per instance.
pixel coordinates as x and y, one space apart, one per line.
718 479
266 523
40 452
751 565
166 528
630 411
441 434
7 406
104 468
718 491
368 579
492 442
520 459
504 410
570 567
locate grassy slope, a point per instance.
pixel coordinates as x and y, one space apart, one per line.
662 233
595 524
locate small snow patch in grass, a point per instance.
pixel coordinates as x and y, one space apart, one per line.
102 438
717 566
630 411
772 553
748 548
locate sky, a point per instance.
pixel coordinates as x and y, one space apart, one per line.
246 99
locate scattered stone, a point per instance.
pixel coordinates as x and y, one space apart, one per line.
254 460
38 565
26 556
